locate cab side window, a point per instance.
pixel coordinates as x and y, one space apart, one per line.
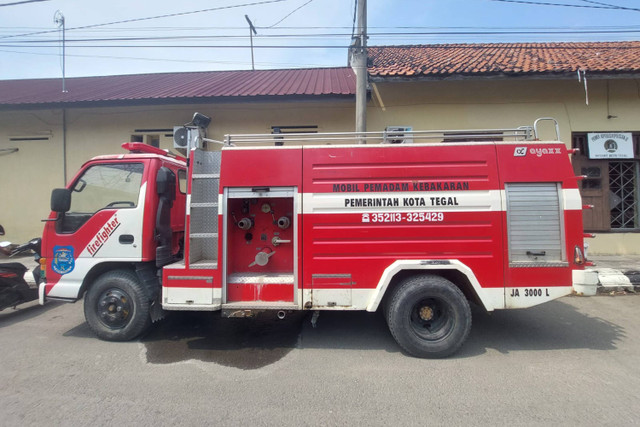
182 181
104 186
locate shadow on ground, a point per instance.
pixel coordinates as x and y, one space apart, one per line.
241 343
81 331
258 342
21 313
556 325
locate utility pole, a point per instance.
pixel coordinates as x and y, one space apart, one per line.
58 19
252 31
359 64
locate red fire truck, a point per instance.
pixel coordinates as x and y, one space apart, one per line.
417 224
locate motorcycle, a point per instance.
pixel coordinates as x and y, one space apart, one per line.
14 289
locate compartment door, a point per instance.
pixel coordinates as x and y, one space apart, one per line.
537 261
261 245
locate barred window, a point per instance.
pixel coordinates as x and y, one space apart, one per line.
611 186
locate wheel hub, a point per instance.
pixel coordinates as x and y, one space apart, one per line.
426 313
430 319
114 308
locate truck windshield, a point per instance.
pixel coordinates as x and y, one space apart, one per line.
102 186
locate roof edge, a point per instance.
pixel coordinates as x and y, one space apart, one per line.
174 73
176 101
560 45
506 76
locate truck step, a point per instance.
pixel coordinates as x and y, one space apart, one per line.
205 175
204 264
261 305
251 308
262 278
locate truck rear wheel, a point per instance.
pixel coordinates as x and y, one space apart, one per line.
428 316
117 306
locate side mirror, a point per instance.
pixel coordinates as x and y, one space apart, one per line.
60 200
1 230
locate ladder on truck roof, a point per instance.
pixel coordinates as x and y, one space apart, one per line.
392 136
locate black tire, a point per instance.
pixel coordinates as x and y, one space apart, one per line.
428 316
117 306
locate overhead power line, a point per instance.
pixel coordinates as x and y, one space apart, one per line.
429 28
164 59
21 2
121 46
289 14
583 6
433 46
127 21
42 43
601 4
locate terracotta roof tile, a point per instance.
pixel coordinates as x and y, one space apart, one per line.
504 58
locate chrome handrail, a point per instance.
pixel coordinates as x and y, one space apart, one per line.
522 133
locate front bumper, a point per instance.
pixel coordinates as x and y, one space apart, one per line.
41 295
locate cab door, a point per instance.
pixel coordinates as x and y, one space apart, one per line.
104 222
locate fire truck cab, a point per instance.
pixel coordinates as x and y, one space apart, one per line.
320 222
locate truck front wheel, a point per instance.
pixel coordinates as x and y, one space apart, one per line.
428 316
117 305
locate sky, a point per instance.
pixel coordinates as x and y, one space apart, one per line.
151 36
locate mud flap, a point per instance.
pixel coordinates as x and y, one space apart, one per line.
156 311
147 275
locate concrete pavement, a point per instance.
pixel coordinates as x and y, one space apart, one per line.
568 362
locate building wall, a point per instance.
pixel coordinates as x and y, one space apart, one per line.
29 175
506 103
467 104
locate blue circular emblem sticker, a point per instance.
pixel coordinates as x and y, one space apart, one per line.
63 261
